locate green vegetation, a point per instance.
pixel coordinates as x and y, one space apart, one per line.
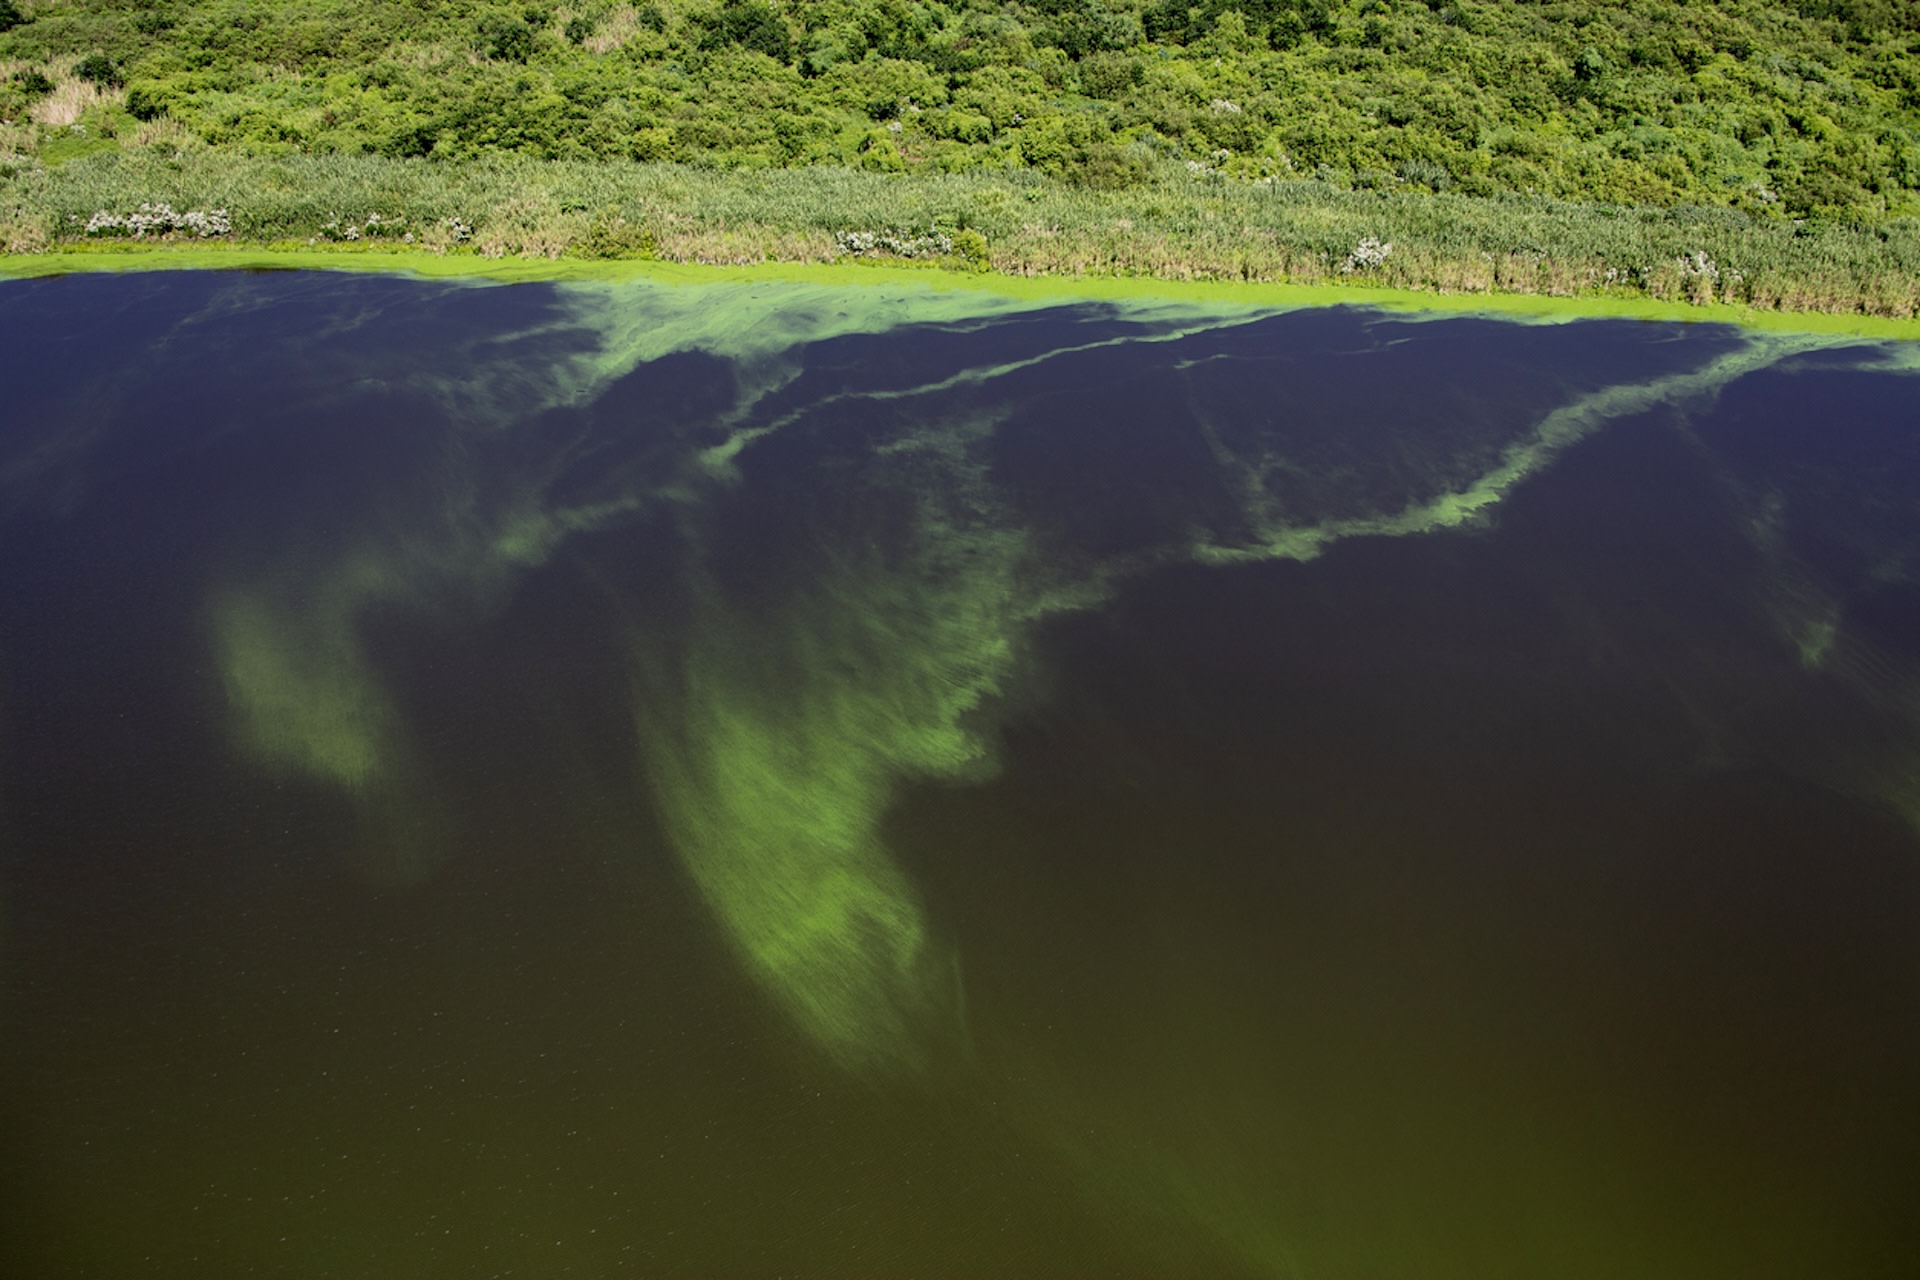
1460 133
1019 223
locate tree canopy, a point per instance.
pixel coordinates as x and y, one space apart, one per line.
1791 109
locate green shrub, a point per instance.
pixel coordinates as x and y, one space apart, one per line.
611 236
971 248
1109 75
1103 166
749 24
504 40
878 151
653 143
146 101
100 71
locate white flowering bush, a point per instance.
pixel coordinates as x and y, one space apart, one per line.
1369 255
371 227
934 244
1211 165
1702 278
158 220
1699 264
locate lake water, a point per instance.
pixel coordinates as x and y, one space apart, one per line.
762 779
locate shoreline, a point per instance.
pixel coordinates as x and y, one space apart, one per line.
429 265
525 218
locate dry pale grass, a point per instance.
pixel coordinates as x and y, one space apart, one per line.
1229 252
739 246
438 237
71 98
539 242
1836 295
523 234
1893 297
1471 274
166 134
1043 251
18 140
1251 254
529 226
614 32
24 233
428 57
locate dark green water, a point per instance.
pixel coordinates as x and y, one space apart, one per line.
766 780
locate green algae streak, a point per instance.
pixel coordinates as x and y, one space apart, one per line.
775 746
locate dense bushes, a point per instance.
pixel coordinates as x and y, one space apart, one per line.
1780 108
98 70
747 24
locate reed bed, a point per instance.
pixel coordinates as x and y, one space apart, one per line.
1174 226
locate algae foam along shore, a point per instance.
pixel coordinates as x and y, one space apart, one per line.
673 770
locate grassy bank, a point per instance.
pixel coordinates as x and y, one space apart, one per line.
1175 227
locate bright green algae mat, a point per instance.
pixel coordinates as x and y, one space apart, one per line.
827 554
